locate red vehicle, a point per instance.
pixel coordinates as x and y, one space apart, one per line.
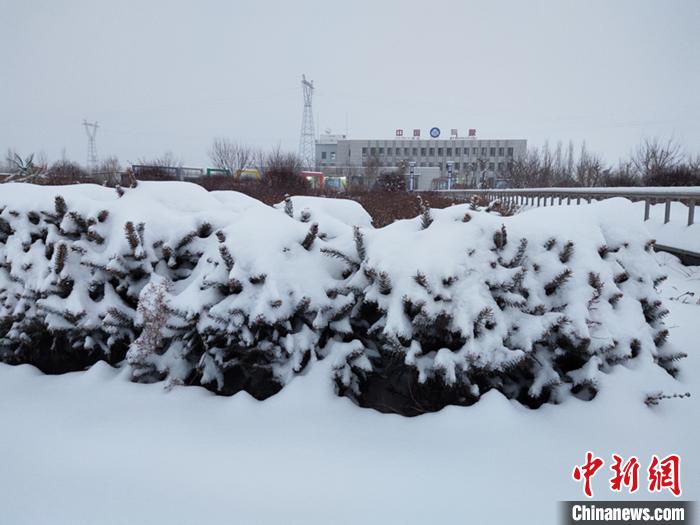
315 178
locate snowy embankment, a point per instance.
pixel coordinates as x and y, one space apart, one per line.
94 447
218 290
676 233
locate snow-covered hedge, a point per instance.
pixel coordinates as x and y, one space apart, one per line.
217 289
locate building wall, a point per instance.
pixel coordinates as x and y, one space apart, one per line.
467 154
326 154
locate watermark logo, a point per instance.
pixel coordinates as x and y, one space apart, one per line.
662 473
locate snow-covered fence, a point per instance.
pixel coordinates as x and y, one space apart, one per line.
690 196
216 289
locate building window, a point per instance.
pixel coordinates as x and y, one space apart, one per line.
323 155
483 152
475 151
456 166
492 166
492 152
500 166
390 151
415 152
364 152
381 151
405 152
458 152
500 152
422 152
466 152
431 151
510 152
332 155
372 151
439 152
448 152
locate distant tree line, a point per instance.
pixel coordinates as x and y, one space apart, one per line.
653 163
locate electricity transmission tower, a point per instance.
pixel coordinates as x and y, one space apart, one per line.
307 147
91 131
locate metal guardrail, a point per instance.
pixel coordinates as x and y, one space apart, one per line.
689 196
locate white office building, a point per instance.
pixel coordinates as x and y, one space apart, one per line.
474 161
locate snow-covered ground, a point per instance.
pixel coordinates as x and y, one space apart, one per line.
93 447
676 233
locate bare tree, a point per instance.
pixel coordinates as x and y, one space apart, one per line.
654 157
282 170
570 160
110 171
6 165
694 164
623 175
547 167
279 160
525 170
229 155
167 159
562 171
589 168
65 171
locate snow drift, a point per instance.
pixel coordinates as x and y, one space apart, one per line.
218 290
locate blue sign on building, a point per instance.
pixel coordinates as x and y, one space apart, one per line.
435 132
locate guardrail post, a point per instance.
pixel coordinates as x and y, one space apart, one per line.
568 200
588 199
667 211
691 212
647 207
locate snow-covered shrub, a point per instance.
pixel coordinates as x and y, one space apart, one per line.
217 289
255 309
536 306
197 288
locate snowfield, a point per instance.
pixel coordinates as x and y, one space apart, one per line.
94 447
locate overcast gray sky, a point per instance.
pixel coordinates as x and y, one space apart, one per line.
172 75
